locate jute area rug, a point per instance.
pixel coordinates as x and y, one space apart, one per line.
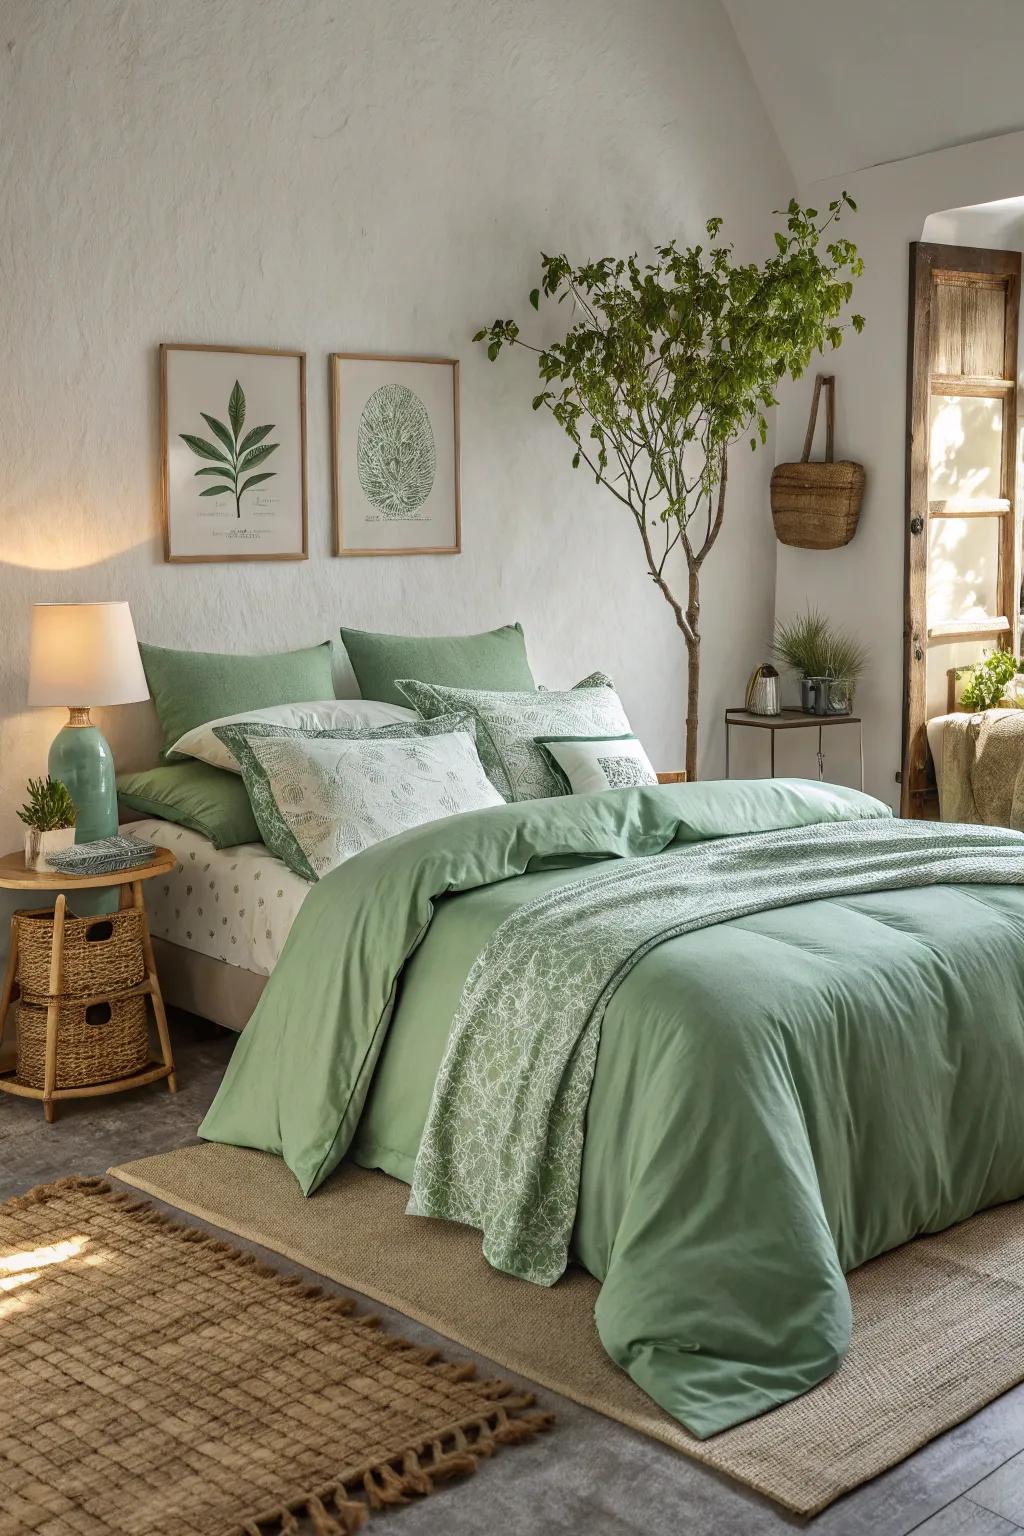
939 1324
158 1382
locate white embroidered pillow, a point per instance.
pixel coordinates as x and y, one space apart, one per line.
593 763
333 798
508 723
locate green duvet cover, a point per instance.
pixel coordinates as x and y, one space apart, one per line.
802 1045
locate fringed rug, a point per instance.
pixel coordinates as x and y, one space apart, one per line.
938 1324
158 1382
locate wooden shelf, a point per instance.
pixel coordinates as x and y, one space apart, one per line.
986 385
978 506
969 629
152 1072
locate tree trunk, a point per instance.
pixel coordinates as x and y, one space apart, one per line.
692 672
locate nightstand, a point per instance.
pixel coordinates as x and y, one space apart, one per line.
791 720
14 876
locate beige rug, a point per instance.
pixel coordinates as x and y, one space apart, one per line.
939 1324
158 1382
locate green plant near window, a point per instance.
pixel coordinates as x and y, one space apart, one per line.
811 646
987 684
49 806
233 456
666 364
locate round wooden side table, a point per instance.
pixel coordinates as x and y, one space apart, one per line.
15 877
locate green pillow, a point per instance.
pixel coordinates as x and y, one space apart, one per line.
191 687
495 660
191 794
508 723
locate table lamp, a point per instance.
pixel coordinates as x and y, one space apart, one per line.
83 654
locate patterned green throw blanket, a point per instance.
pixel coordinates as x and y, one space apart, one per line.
503 1143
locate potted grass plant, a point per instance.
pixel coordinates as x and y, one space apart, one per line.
828 662
49 815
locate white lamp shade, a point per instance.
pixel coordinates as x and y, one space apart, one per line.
83 654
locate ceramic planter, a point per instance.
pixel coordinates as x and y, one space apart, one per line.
39 845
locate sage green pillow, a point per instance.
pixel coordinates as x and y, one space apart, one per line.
191 687
191 794
494 660
507 724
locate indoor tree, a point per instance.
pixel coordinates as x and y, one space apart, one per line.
668 363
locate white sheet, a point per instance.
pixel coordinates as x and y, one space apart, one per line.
233 904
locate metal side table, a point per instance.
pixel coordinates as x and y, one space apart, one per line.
792 720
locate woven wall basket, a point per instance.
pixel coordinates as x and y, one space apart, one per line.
817 506
96 1043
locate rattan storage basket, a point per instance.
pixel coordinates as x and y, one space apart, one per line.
101 954
95 1043
817 506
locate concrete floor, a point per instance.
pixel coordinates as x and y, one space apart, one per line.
590 1474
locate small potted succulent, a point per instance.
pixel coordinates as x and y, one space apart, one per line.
49 815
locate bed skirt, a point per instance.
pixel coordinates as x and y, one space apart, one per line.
224 993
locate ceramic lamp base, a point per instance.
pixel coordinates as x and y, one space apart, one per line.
81 758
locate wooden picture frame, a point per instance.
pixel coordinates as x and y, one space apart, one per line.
275 523
417 509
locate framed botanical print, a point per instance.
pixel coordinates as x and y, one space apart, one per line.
396 455
233 453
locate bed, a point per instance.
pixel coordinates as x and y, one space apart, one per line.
719 1043
219 920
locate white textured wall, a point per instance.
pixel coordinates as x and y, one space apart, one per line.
376 175
861 586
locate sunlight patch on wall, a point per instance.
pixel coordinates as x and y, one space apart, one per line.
966 448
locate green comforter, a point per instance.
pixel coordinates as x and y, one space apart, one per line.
774 1099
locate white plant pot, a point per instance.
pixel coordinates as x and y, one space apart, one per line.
39 845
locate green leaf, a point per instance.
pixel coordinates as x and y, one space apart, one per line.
255 479
575 461
204 449
219 430
236 409
252 437
256 456
535 297
224 470
480 335
216 490
493 350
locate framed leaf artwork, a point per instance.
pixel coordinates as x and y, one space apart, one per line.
233 453
396 455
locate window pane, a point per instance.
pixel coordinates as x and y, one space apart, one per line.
963 567
965 448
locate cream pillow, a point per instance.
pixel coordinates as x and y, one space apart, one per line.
593 763
319 715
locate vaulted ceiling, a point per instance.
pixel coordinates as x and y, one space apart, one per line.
852 83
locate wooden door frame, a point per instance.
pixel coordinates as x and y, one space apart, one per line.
926 259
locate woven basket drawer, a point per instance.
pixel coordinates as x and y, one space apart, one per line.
95 1044
102 954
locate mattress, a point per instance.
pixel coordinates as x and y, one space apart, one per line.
231 904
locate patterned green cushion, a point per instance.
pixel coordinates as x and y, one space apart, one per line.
508 722
282 794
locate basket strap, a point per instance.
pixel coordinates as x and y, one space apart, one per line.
829 382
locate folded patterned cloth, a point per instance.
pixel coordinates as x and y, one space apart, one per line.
102 857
